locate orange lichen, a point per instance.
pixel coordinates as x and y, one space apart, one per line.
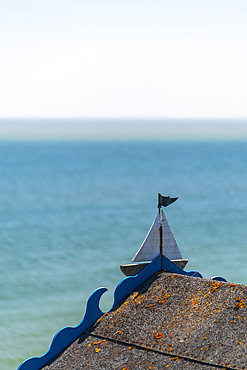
215 285
240 303
164 299
139 299
159 335
118 332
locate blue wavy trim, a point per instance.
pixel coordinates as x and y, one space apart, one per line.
218 278
130 283
171 267
68 335
127 285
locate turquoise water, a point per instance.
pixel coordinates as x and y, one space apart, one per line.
72 212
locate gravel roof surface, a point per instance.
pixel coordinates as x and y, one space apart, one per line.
170 321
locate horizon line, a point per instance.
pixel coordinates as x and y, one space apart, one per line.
122 130
129 118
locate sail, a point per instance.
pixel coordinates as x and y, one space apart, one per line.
159 240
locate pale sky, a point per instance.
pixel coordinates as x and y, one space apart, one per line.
122 58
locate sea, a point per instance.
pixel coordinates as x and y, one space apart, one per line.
73 211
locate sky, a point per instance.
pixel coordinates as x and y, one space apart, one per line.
123 59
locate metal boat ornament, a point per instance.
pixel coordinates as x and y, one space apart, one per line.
159 241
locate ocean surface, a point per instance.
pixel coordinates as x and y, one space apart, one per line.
72 212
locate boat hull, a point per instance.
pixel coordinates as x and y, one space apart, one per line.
133 269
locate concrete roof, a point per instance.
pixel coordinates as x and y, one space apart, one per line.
169 321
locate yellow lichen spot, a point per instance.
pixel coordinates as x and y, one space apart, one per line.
100 341
205 338
170 349
97 349
150 306
125 368
118 332
175 358
239 343
129 347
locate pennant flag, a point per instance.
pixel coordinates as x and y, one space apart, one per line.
165 201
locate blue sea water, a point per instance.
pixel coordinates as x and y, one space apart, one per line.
72 212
